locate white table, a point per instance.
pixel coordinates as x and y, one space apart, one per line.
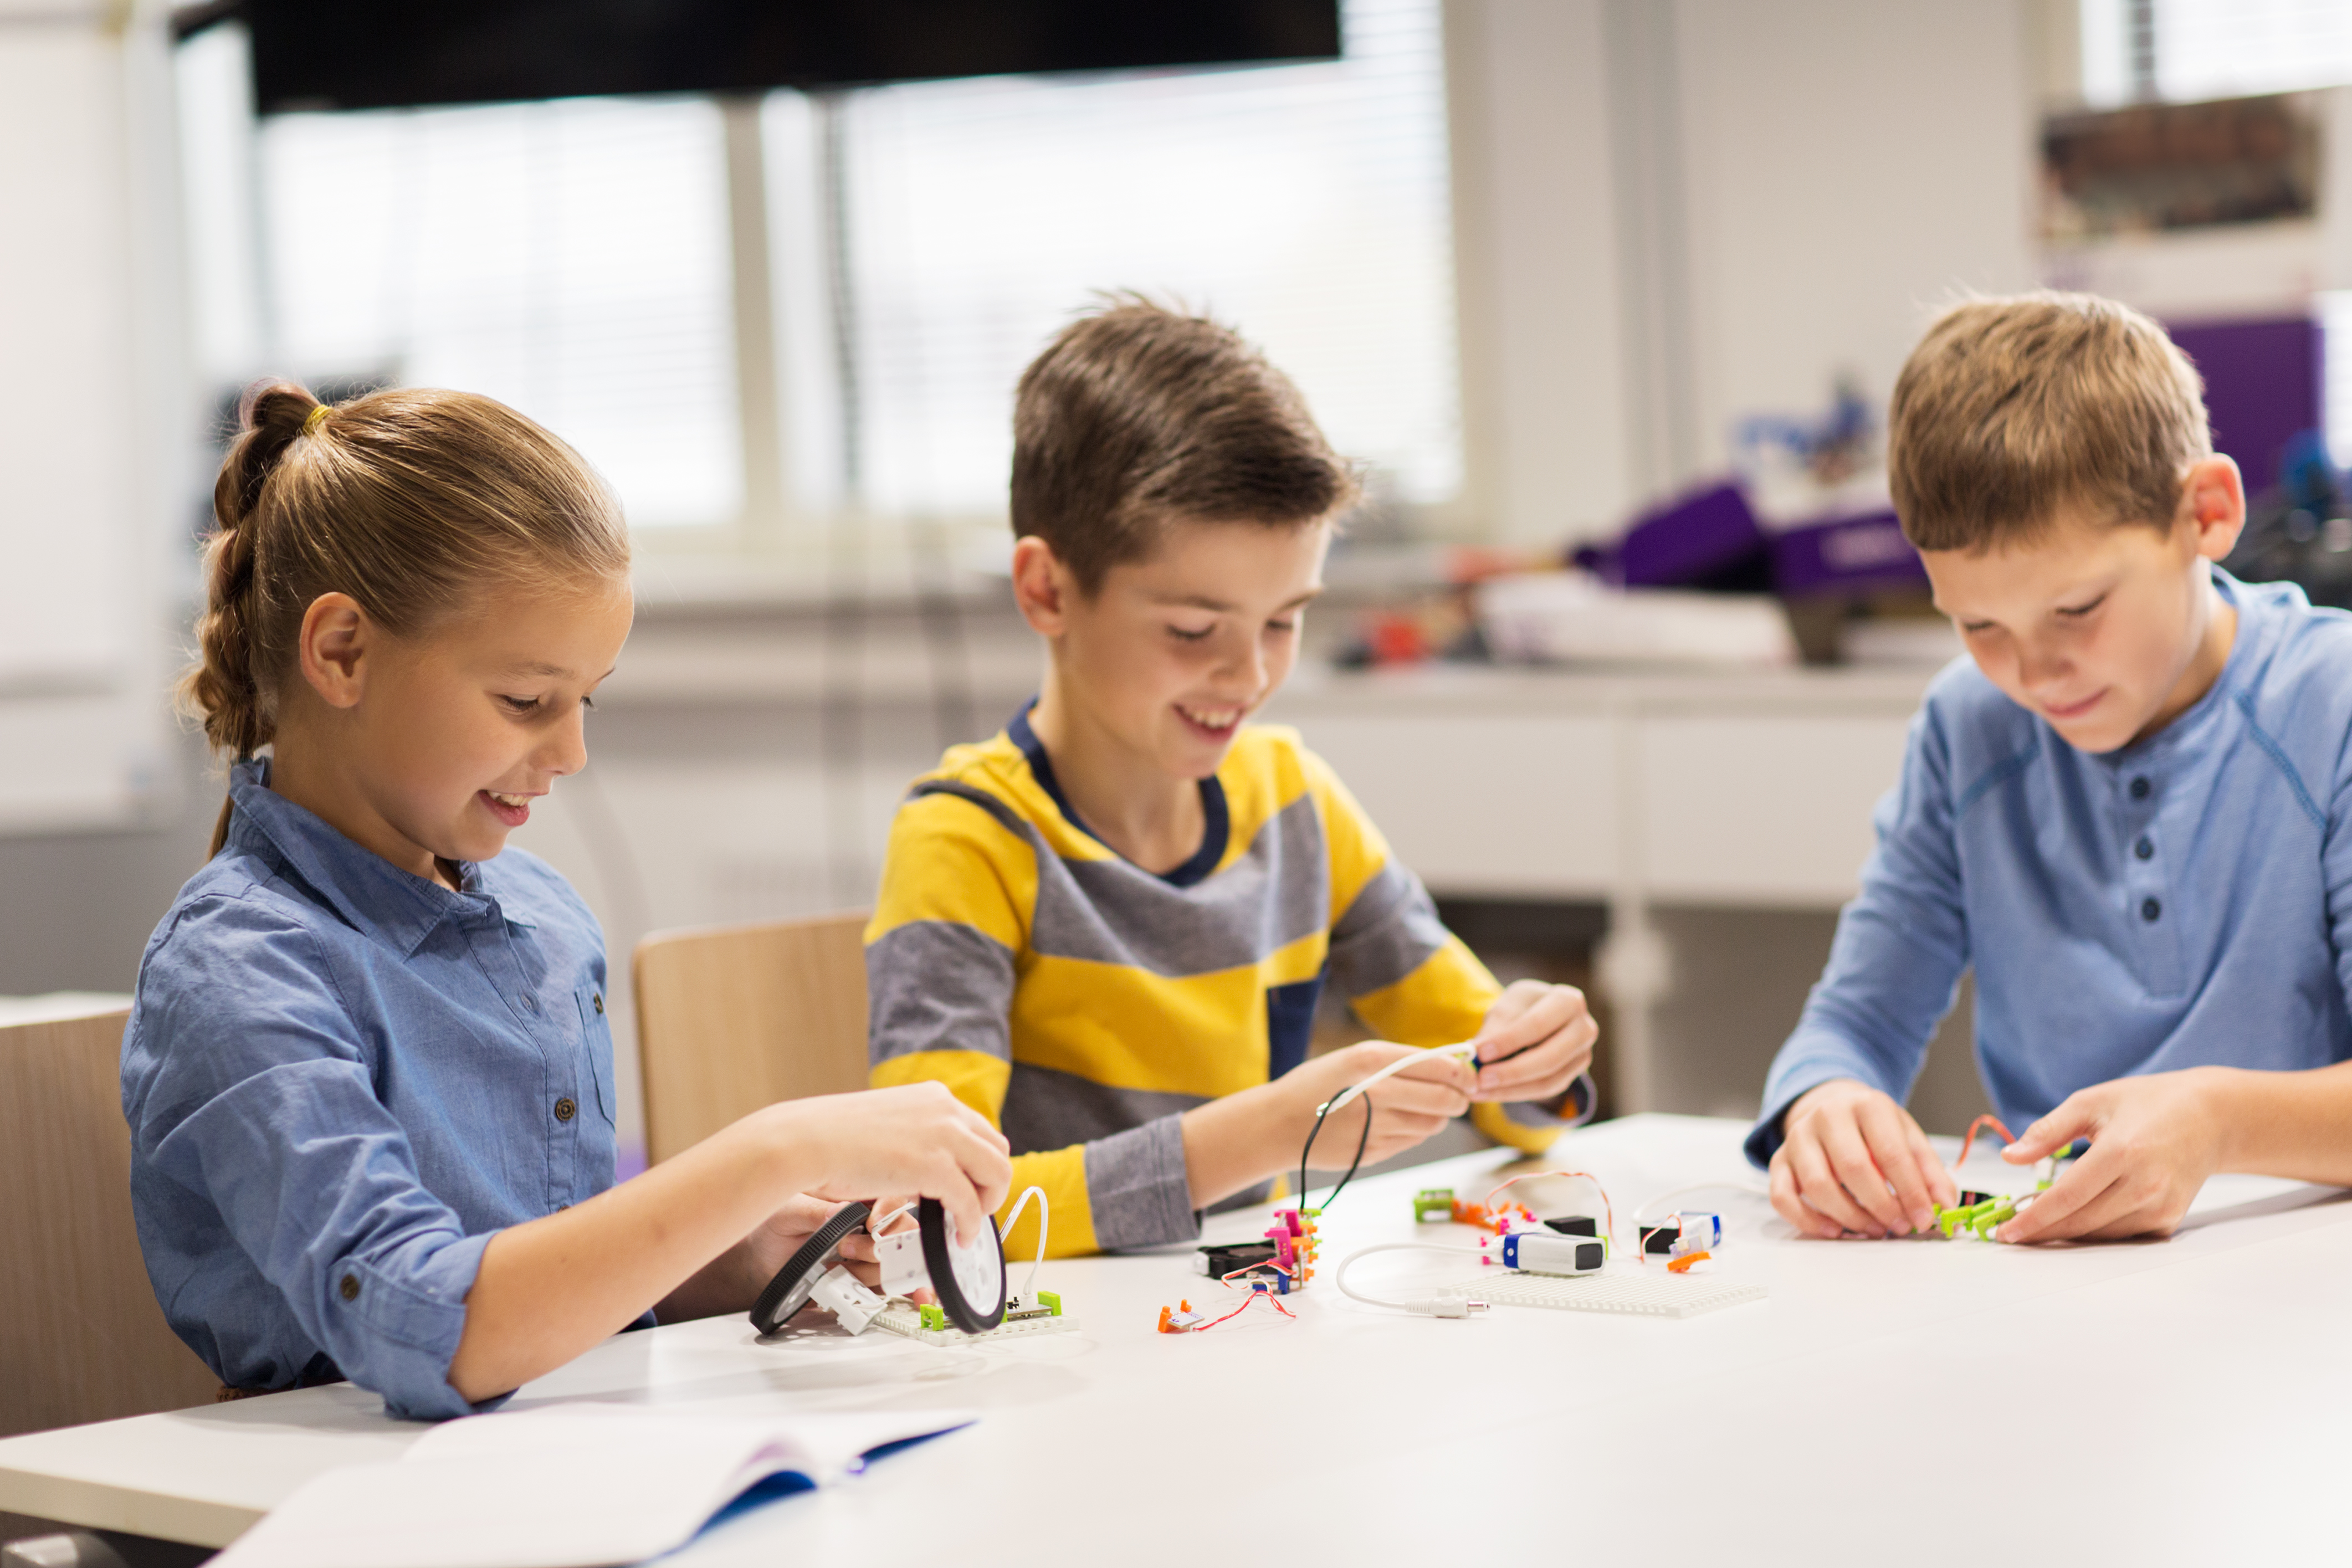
1916 1401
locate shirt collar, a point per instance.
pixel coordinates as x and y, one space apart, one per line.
2249 648
1216 816
371 893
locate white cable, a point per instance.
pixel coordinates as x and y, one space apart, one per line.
1014 1218
875 1228
1462 1051
1751 1189
1457 1302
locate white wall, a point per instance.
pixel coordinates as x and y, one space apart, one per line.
1776 192
1537 269
94 414
1851 164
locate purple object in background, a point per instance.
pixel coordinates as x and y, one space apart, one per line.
1846 555
2263 381
1686 540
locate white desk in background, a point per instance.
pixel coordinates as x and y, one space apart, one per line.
1919 1401
1638 789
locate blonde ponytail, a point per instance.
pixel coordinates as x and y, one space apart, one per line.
411 501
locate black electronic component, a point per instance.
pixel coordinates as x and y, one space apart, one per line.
308 58
969 1282
788 1292
1217 1261
1575 1224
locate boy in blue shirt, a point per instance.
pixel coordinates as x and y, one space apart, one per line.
2127 810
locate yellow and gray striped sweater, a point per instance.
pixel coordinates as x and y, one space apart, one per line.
1082 1003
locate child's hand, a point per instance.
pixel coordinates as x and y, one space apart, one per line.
917 1138
771 1246
1548 1033
2154 1140
1845 1145
1407 1107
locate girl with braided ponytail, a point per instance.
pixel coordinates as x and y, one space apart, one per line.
368 1075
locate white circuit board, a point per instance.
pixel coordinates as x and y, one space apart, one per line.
903 1318
1649 1293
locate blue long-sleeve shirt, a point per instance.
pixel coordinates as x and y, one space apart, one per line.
2184 902
341 1080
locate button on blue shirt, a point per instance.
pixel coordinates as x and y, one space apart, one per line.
341 1080
2184 902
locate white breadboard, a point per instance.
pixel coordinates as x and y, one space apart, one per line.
902 1318
1648 1294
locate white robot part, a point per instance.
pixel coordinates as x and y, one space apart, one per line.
851 1303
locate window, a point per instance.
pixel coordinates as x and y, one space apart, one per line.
2189 50
574 258
1308 206
570 258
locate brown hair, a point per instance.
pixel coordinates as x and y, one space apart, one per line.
2009 409
1137 414
409 500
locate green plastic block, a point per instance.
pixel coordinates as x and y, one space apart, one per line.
1948 1220
1986 1223
1051 1302
934 1317
1433 1203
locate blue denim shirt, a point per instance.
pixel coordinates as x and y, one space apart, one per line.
2184 902
341 1080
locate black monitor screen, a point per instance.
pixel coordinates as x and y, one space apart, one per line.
312 56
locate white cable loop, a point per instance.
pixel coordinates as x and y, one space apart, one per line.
1014 1218
1427 1307
1752 1190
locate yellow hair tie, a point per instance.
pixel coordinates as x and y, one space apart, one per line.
316 418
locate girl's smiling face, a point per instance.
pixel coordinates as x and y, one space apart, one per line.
432 748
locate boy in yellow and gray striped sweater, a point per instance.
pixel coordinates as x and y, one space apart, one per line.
1108 927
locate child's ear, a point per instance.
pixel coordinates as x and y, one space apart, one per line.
2213 499
332 645
1042 585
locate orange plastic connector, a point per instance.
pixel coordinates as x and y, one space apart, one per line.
1683 1265
1465 1212
1168 1325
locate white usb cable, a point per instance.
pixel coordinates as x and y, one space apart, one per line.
1461 1051
1456 1301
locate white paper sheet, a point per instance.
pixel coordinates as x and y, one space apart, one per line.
568 1488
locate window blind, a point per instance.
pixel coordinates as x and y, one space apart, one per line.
1307 206
2218 48
570 258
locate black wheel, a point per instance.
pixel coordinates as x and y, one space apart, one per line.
972 1299
788 1292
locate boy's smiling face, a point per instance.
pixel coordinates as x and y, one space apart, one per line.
2108 631
1171 653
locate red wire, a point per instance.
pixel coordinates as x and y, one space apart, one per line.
1226 1279
1245 1306
1974 1126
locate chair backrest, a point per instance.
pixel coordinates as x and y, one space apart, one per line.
82 1338
730 1018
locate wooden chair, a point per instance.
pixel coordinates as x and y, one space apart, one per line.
82 1338
730 1018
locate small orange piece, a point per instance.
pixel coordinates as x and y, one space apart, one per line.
1683 1265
